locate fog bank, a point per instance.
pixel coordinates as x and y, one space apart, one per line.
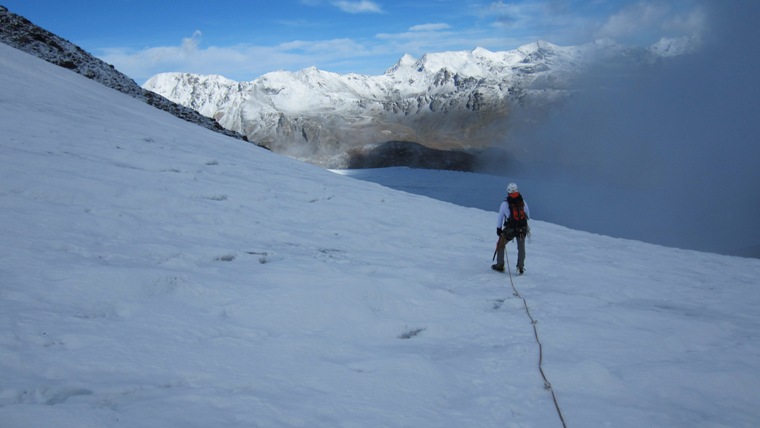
666 152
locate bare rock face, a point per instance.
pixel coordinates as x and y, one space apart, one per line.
413 155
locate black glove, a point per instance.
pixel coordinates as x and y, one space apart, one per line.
498 231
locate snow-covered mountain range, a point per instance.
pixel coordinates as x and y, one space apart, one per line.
449 100
22 34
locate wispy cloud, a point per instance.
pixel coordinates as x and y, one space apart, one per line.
238 62
430 27
418 39
649 19
363 6
633 22
495 25
514 15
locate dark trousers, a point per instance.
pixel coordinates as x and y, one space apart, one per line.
500 250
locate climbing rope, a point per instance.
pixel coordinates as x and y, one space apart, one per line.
533 322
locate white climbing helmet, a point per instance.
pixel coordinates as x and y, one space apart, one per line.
511 188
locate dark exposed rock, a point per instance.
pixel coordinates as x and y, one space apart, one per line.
409 154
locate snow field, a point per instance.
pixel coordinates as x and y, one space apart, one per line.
156 274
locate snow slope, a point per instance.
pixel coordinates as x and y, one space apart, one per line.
156 274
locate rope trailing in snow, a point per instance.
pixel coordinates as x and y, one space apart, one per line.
533 322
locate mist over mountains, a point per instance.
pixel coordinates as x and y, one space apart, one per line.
680 138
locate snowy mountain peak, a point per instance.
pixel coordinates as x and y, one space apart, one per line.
464 63
668 47
309 71
406 61
480 51
539 45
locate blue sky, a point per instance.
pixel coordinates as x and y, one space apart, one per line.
242 39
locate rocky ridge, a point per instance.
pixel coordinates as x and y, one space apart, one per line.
18 32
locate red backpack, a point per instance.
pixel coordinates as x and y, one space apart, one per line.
517 217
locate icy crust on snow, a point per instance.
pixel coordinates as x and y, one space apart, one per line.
156 274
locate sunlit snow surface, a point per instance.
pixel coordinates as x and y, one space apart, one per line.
156 274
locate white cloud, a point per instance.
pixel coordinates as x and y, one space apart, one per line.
363 6
632 20
636 22
691 22
513 15
652 20
430 27
498 25
238 62
190 44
